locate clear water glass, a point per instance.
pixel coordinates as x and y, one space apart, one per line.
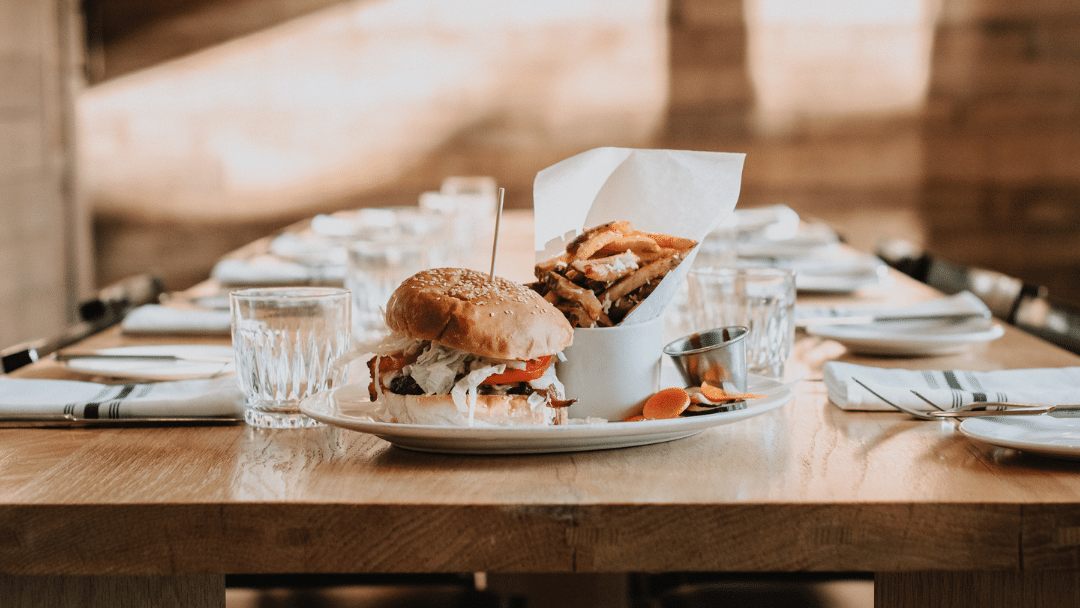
469 204
375 269
761 299
458 225
286 342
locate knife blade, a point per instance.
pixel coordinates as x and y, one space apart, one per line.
71 356
871 319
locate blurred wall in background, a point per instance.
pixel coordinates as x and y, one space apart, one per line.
44 251
954 123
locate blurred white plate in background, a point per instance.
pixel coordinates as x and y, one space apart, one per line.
153 369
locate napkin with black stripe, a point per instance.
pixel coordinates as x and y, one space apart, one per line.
861 387
187 398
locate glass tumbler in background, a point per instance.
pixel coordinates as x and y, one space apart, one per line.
375 269
286 342
457 229
470 205
761 299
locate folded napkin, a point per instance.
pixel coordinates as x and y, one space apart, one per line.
860 387
158 319
964 302
217 397
272 270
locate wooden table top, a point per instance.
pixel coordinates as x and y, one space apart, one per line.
807 487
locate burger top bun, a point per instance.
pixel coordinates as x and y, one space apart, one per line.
466 310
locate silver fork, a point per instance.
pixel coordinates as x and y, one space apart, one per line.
985 408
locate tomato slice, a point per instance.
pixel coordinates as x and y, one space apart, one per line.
534 368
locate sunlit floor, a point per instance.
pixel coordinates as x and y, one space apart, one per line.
954 124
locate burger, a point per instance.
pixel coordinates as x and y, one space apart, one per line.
466 349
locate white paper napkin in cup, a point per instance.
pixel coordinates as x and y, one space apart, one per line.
677 192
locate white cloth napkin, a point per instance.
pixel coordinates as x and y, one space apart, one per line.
964 302
860 387
158 319
217 397
272 270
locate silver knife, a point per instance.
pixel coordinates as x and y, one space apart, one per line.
869 319
24 421
975 410
71 356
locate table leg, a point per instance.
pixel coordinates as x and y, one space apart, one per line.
196 591
977 589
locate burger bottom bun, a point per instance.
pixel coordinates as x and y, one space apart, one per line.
439 410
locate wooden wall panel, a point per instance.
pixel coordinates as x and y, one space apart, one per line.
43 240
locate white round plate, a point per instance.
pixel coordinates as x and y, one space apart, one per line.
348 407
148 369
1046 435
909 338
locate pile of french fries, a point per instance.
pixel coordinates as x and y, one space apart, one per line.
607 271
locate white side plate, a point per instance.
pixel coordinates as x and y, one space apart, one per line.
1058 437
909 338
348 407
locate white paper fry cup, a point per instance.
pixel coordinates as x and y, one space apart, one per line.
611 371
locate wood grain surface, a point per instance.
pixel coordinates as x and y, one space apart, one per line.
977 589
188 591
806 487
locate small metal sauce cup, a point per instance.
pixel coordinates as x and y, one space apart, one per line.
717 356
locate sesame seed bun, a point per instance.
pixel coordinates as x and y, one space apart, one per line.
466 310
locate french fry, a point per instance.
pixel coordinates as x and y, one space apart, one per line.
640 277
663 252
620 226
607 269
542 268
574 276
577 295
575 314
674 242
590 246
638 243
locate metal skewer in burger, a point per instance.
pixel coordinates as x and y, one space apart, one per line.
470 349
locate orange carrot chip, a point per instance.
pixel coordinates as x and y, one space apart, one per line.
668 403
